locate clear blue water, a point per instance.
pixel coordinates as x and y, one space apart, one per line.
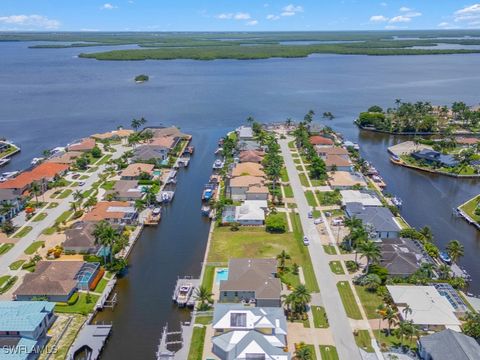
222 274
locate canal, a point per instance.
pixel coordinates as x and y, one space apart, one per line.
174 248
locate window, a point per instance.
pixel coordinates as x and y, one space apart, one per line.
238 320
236 293
255 356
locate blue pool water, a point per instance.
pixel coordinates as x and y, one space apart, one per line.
222 275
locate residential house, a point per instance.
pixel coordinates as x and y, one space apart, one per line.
249 145
254 156
319 141
83 145
429 309
364 197
448 345
253 187
135 170
67 158
435 158
248 168
250 213
115 212
402 257
379 221
246 333
41 174
23 328
252 281
56 280
337 163
11 203
151 154
324 151
80 238
171 131
127 190
467 141
113 135
245 133
344 180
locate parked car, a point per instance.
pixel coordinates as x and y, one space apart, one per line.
75 176
328 214
81 183
317 221
337 222
310 214
306 242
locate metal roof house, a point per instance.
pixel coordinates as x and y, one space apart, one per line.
447 345
242 332
380 220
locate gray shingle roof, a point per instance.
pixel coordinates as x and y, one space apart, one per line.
449 344
380 218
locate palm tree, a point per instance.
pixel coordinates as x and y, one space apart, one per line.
402 330
455 250
391 317
427 269
288 122
444 271
370 251
106 236
303 353
407 310
73 206
135 124
35 189
371 282
427 233
302 297
203 295
282 258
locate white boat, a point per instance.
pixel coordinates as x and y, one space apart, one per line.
10 174
156 211
397 201
218 164
4 162
183 294
36 161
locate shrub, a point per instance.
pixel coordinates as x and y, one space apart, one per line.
276 223
351 265
380 271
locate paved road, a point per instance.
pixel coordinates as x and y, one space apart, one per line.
64 205
339 324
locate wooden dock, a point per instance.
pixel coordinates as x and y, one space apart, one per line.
184 293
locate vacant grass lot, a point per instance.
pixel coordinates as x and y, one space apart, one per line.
196 345
288 191
469 208
80 307
348 300
370 301
310 198
363 340
320 319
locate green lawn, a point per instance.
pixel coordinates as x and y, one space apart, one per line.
316 182
65 194
80 307
196 345
469 208
16 264
299 168
297 161
49 231
313 356
40 217
4 279
5 248
348 300
310 198
303 179
327 198
108 185
370 301
103 160
288 191
289 278
33 247
387 341
101 285
203 320
284 175
336 267
6 283
25 230
328 352
83 177
320 319
64 216
52 205
363 340
330 249
208 276
291 144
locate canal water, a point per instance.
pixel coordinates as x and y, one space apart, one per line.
49 97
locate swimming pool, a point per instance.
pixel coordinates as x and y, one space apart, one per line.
222 274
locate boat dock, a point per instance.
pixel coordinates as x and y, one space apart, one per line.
104 302
184 293
182 338
89 342
153 217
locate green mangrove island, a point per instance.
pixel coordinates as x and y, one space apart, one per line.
141 78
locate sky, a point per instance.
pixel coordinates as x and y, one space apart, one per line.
236 15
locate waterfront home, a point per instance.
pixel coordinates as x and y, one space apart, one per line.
113 135
250 213
435 158
447 345
429 309
324 151
379 221
249 145
23 328
252 281
248 168
319 141
245 133
249 332
115 212
337 163
57 280
364 197
79 238
11 203
41 174
127 190
407 147
467 141
67 158
402 257
254 156
136 170
151 154
83 145
247 188
171 131
344 180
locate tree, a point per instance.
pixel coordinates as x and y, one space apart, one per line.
250 120
371 282
455 250
8 227
444 271
471 326
204 296
35 189
275 223
106 236
318 169
375 108
370 251
427 234
328 115
96 152
308 118
282 259
426 270
303 353
391 317
407 310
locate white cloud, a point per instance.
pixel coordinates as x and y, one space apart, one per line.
224 16
252 22
30 21
291 10
273 17
400 18
234 16
405 9
469 15
242 16
378 18
108 6
413 14
383 4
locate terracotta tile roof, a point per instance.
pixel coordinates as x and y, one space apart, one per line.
112 134
247 180
344 178
248 168
337 160
50 278
165 141
66 158
334 150
467 141
105 210
84 145
257 189
251 156
320 140
46 170
135 169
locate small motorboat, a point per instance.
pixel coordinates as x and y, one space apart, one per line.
36 161
218 164
183 295
206 210
397 201
156 211
4 161
445 257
